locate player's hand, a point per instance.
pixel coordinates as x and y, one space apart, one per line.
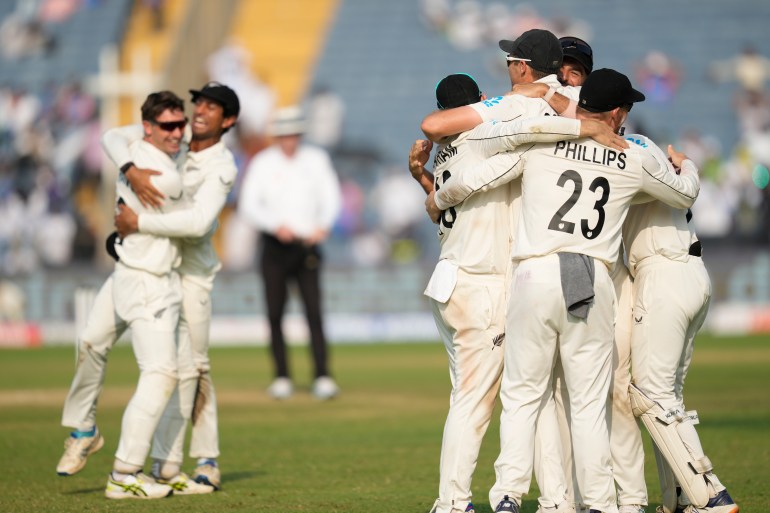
430 207
676 157
140 182
418 157
602 133
126 221
531 90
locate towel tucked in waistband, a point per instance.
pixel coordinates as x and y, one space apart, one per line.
577 282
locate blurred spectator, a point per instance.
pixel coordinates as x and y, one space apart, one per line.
325 117
659 77
750 69
435 14
466 27
56 11
22 37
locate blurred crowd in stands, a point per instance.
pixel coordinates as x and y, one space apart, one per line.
52 195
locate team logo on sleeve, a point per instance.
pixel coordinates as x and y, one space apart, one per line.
491 102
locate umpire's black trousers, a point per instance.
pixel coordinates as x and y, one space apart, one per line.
280 264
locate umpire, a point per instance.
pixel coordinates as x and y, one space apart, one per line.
291 194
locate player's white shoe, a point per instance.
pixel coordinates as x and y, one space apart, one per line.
136 486
207 473
325 388
720 503
76 451
281 388
631 508
182 484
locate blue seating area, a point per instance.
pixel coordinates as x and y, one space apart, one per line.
385 63
76 44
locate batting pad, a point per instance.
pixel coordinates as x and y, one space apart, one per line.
663 428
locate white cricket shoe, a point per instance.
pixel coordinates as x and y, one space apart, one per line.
281 388
207 473
76 452
631 508
325 388
183 485
136 486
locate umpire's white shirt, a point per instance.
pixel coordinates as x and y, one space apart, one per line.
208 177
301 193
152 253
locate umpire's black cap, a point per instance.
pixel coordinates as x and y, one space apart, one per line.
537 46
576 48
221 94
457 90
606 89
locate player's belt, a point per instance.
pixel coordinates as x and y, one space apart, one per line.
696 249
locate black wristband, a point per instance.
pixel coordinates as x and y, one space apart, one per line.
125 167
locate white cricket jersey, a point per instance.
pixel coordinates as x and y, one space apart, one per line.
152 253
301 192
515 106
471 233
654 228
575 194
207 177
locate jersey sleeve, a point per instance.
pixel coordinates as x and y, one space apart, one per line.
116 141
491 138
196 220
500 108
493 172
330 193
678 191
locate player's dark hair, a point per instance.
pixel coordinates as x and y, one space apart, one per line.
156 103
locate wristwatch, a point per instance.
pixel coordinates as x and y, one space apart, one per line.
125 167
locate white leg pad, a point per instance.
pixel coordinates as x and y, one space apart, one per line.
663 428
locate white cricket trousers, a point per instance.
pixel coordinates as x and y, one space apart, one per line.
472 326
537 325
102 331
625 436
671 302
194 329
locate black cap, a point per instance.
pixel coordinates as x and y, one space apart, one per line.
606 89
221 94
457 90
576 48
539 46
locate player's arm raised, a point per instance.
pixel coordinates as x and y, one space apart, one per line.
441 124
676 190
492 138
418 157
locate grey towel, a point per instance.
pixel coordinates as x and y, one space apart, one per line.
577 282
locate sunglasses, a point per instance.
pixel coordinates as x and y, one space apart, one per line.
170 126
578 44
511 58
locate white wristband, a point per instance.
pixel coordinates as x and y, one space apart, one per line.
547 97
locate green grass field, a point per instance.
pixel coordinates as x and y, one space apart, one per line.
373 449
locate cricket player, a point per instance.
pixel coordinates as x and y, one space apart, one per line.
208 175
534 60
575 196
468 286
143 293
664 254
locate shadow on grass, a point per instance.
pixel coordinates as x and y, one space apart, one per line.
84 491
240 476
